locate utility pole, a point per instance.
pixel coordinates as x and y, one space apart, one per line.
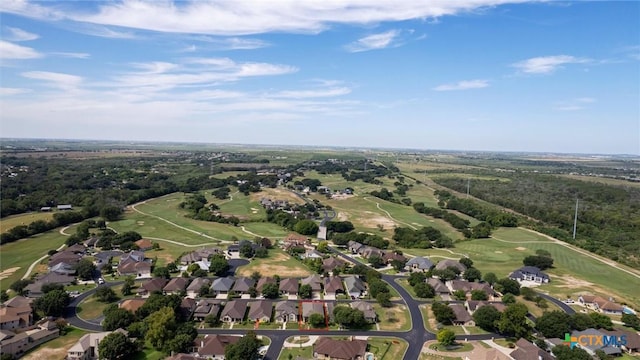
575 221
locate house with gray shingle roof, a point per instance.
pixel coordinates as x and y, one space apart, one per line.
286 311
243 285
354 287
234 311
175 286
333 285
260 311
366 308
193 290
222 286
311 307
289 287
419 263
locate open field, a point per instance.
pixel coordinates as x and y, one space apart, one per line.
387 348
9 222
19 255
56 349
395 318
573 273
278 263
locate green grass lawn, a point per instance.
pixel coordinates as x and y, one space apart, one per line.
462 347
241 206
387 348
395 318
20 254
149 354
278 263
304 352
12 221
90 308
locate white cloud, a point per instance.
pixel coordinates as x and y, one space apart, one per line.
248 17
373 42
463 85
72 55
547 64
301 94
54 79
13 51
16 34
5 91
574 104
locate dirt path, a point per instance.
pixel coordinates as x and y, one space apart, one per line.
389 215
133 207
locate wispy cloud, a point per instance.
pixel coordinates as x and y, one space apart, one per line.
54 79
6 91
72 55
315 93
463 85
574 104
16 34
547 64
10 50
247 17
373 42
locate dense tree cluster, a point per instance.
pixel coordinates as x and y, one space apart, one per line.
339 226
199 210
485 213
424 238
608 217
362 238
453 219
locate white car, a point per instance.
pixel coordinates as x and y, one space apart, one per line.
100 281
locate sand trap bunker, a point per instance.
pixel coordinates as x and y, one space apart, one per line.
254 210
140 223
6 273
520 248
498 252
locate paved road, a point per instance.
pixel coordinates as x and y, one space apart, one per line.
566 308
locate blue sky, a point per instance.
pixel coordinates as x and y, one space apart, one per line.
460 75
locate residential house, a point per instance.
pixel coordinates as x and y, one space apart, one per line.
193 290
16 344
134 264
187 307
243 285
76 249
152 286
468 287
234 311
144 244
206 307
87 347
212 346
199 255
35 290
369 251
462 316
260 310
333 286
63 268
91 242
222 286
132 305
311 307
600 304
312 254
176 286
289 287
134 255
315 281
67 257
447 263
354 247
473 305
366 308
437 285
526 350
389 256
632 345
331 263
354 287
419 263
12 318
286 311
264 281
529 273
592 346
330 349
294 240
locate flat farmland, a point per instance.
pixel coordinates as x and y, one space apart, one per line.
16 257
12 221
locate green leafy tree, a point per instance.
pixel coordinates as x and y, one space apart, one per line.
446 337
509 299
375 261
323 246
246 250
271 291
416 278
490 277
581 321
116 346
261 253
508 286
115 318
479 295
219 265
513 321
160 326
631 320
106 294
348 317
306 227
317 320
52 303
541 262
460 295
384 299
161 272
467 262
554 324
602 321
487 317
398 265
19 285
472 274
528 293
127 287
245 349
85 269
563 352
443 313
4 296
305 291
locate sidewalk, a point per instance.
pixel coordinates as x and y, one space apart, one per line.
311 341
